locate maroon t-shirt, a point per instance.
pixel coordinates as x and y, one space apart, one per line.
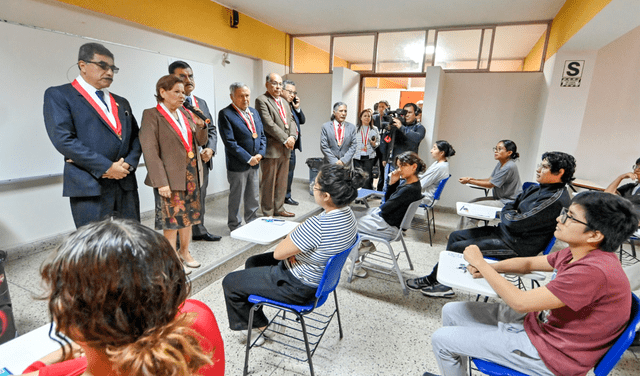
597 298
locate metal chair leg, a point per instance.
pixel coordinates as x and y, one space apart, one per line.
306 343
335 296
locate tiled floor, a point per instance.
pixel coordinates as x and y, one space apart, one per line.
385 332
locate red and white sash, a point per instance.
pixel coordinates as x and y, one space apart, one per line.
117 127
250 123
188 143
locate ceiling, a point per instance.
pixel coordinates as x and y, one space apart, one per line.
338 16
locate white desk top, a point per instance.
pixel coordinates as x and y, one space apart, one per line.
265 230
452 272
477 211
20 352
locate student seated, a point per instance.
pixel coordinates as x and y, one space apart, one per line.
438 170
385 220
504 181
630 191
526 225
562 328
293 272
118 290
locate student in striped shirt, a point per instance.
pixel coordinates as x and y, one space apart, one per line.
292 273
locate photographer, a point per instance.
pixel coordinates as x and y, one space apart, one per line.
400 132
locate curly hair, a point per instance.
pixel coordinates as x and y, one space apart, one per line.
118 285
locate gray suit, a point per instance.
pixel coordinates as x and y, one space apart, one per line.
275 165
329 145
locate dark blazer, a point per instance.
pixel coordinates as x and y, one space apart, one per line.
329 145
164 152
212 133
80 134
300 119
274 126
239 144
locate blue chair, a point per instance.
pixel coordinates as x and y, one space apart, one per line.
365 194
430 218
602 368
319 322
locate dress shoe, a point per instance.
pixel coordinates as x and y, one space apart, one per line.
192 264
290 201
208 237
284 213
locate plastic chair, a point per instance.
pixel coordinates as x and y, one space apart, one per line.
319 322
602 368
431 219
366 194
388 263
631 242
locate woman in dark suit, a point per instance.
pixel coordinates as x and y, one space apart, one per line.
170 137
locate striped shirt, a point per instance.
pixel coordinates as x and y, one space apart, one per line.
319 238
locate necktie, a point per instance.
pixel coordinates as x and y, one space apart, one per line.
100 95
188 100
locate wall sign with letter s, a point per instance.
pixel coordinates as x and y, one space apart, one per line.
572 73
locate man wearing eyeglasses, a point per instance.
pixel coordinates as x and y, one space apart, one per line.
290 94
526 224
281 131
97 134
630 191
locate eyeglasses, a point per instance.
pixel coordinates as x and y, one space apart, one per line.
635 166
292 92
498 149
543 166
276 84
564 214
104 66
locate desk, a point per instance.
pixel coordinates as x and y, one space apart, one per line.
586 184
452 272
486 190
265 230
477 211
20 352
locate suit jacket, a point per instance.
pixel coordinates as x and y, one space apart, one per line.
300 119
239 144
164 152
80 134
329 145
274 126
212 133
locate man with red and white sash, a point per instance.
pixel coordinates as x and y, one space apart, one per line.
97 134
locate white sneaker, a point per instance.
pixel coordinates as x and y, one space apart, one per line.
254 332
358 271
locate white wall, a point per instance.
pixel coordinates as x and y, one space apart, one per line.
478 110
345 88
314 91
608 143
38 211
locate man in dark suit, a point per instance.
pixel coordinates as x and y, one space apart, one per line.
380 159
184 71
244 145
281 132
97 134
290 94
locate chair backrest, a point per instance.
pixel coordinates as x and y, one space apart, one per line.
438 192
408 216
331 275
552 242
611 358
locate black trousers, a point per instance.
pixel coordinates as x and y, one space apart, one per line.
366 164
114 201
265 276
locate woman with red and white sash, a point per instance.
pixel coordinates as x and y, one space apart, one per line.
170 136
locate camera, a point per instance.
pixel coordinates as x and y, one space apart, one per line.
387 118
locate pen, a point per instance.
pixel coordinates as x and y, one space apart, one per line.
272 220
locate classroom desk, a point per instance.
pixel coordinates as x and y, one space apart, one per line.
452 272
20 352
486 190
265 230
586 184
477 211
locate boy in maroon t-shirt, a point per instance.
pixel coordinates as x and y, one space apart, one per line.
562 328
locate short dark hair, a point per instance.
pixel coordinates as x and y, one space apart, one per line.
288 82
611 215
335 107
167 83
410 158
415 107
177 65
512 147
638 161
559 160
385 102
341 183
446 147
87 51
